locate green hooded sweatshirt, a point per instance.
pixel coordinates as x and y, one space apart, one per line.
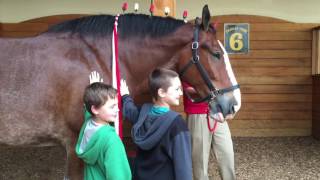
104 155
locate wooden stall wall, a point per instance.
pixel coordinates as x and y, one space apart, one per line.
32 27
275 76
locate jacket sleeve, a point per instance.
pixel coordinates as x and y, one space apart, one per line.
116 163
130 110
181 151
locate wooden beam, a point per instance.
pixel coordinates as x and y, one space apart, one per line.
160 6
316 51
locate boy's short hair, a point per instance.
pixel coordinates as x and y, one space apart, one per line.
160 78
97 94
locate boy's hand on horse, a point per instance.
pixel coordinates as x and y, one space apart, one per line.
124 88
94 77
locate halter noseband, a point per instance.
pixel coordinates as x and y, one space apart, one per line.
196 61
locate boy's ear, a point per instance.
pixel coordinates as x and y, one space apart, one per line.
94 110
161 92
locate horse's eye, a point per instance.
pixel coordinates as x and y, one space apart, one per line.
216 55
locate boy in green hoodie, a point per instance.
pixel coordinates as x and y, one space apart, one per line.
98 144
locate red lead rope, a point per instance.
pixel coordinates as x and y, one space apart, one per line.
211 129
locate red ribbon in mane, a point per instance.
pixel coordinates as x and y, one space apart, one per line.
115 34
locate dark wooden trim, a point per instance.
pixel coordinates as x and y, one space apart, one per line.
316 107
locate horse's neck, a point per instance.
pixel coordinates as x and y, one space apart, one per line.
141 56
158 51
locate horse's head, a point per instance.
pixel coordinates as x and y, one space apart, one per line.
209 71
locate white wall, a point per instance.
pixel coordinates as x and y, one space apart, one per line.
304 11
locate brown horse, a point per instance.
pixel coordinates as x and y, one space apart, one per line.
43 78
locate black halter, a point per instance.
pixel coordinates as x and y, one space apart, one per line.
196 61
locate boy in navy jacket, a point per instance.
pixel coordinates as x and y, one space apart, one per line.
161 135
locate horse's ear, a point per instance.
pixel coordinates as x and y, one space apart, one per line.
205 18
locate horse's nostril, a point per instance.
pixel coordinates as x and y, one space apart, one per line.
232 110
232 106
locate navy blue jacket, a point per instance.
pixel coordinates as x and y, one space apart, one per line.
164 147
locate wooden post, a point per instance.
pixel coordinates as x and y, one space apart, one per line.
160 5
316 51
316 106
316 83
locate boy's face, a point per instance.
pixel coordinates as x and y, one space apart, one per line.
108 112
173 93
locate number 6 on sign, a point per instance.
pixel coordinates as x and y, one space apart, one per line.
236 41
236 38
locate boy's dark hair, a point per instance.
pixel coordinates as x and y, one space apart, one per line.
97 94
160 78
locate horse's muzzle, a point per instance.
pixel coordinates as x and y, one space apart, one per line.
224 104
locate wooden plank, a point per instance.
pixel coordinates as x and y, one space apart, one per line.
283 27
276 27
275 71
270 132
285 36
274 115
271 54
268 89
294 98
275 106
269 79
269 124
245 19
272 36
273 45
262 62
55 18
24 27
18 34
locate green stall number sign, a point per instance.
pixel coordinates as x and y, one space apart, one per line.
236 38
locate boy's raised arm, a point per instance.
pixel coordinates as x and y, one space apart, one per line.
130 110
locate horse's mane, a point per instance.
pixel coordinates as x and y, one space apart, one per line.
129 25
